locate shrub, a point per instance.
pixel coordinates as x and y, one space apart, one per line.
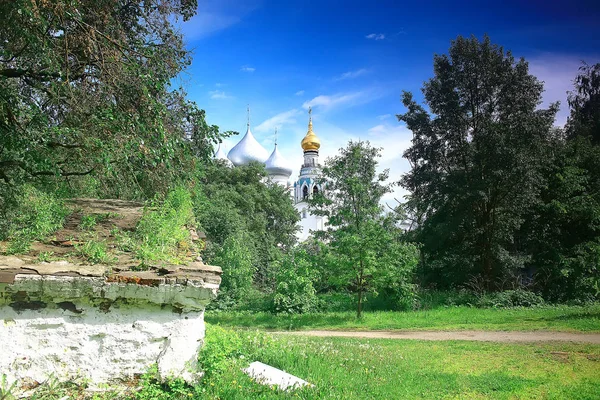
32 215
237 261
511 298
162 232
294 291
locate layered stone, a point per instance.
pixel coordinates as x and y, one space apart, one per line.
94 323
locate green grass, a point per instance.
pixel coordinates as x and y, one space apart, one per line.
551 318
406 369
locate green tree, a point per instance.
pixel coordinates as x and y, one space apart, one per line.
86 96
360 234
230 202
584 102
477 161
563 232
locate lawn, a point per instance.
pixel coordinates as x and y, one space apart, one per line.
406 369
550 318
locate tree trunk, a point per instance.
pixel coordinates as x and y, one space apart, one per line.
360 290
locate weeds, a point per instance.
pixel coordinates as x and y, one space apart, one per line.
6 390
46 256
89 222
35 215
95 252
162 233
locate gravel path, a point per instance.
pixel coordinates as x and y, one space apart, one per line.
480 336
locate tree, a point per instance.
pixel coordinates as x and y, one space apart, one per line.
477 161
584 102
85 88
563 232
235 202
358 231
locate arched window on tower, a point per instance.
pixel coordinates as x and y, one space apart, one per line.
315 190
304 213
305 192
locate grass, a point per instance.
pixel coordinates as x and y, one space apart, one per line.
162 233
550 318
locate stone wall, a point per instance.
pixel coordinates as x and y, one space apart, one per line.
84 322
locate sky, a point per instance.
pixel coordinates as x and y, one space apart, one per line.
351 60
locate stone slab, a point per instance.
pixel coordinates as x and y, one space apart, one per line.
268 375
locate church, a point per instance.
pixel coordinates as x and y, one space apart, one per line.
248 149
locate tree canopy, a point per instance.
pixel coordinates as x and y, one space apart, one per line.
86 92
477 160
366 242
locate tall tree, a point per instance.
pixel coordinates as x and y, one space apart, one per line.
563 231
584 102
236 203
85 92
476 162
363 238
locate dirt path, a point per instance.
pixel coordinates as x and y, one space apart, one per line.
480 336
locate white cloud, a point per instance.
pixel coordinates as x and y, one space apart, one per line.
219 94
557 72
246 68
329 102
384 117
278 121
218 84
299 92
216 15
375 36
206 23
352 74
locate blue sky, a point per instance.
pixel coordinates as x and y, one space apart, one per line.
350 60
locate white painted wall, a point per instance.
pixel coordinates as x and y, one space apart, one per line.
98 346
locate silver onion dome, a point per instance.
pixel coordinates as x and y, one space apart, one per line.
247 150
220 155
276 164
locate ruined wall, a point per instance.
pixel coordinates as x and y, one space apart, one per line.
73 322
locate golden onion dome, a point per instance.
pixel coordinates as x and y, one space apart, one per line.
310 141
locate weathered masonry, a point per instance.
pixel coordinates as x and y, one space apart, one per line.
88 322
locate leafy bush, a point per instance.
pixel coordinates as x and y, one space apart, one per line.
162 232
431 299
237 261
152 388
221 346
95 252
511 298
31 215
295 292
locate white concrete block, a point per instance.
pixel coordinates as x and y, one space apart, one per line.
267 375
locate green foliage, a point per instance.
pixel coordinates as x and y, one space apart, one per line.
584 101
294 292
478 160
6 390
563 231
236 259
163 234
153 388
88 222
46 256
236 203
81 128
31 215
95 251
367 244
221 347
511 298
